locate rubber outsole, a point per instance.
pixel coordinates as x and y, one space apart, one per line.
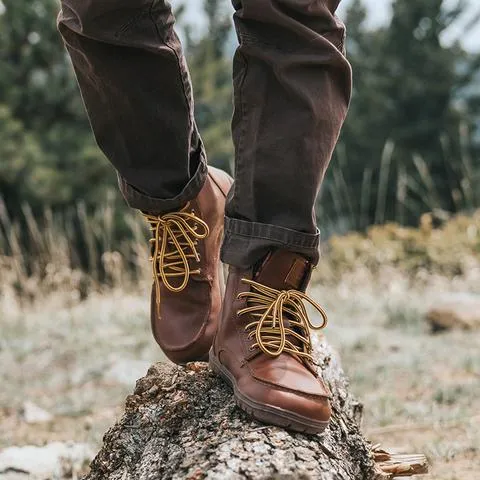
267 413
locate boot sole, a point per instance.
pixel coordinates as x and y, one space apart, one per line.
266 413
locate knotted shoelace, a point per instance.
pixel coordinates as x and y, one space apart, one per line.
175 238
282 323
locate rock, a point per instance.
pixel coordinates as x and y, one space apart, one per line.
53 461
182 423
457 310
32 413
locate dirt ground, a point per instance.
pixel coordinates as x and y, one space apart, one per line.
420 390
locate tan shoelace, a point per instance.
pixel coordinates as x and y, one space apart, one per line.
273 333
175 239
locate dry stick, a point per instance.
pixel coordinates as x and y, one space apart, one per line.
428 182
89 238
399 465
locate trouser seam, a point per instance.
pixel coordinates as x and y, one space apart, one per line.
270 239
246 242
252 230
248 39
237 163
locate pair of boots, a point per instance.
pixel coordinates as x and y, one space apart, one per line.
255 333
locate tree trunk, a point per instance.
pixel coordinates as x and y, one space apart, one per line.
182 423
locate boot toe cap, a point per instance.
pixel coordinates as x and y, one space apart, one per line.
287 408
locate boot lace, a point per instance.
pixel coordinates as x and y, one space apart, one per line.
175 238
281 321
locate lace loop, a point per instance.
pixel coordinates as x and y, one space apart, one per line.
175 237
282 323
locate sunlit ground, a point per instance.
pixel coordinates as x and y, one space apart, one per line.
420 390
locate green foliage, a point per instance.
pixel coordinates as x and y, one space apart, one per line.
210 67
18 152
449 249
36 79
50 157
408 144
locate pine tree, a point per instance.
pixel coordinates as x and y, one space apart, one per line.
401 152
39 92
210 67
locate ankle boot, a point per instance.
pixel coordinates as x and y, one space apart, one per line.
188 281
263 347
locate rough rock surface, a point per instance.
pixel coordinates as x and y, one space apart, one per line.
182 423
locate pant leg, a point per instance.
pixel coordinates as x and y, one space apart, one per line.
292 88
136 88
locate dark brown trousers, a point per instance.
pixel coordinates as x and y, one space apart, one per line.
292 87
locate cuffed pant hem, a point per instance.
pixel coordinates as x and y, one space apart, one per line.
245 243
146 203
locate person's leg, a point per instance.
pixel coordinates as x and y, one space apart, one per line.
136 89
292 88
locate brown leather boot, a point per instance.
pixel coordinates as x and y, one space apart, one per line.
263 347
187 272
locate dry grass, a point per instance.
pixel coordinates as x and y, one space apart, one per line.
74 254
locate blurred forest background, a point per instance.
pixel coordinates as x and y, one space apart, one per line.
410 145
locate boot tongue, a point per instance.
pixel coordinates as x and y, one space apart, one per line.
284 270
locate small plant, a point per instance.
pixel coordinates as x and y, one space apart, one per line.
451 249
